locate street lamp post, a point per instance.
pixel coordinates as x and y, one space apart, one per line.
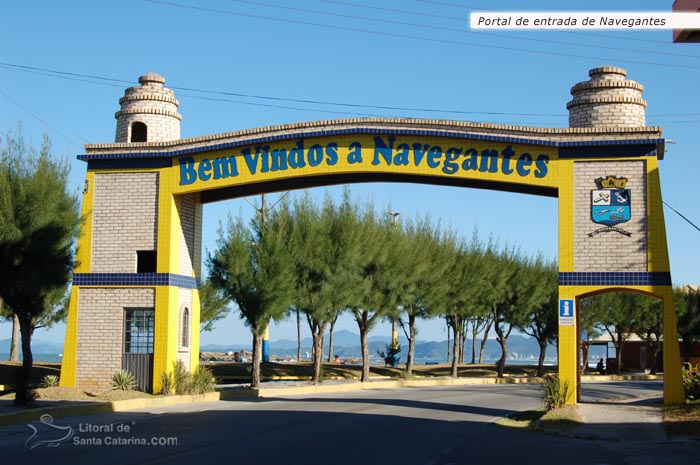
394 321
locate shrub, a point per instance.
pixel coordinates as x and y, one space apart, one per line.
50 381
554 393
166 382
123 380
691 381
181 378
202 381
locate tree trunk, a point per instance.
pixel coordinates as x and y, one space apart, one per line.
23 394
298 336
318 351
484 340
500 365
462 344
455 351
14 345
449 348
330 338
619 353
540 362
257 352
411 343
474 334
365 354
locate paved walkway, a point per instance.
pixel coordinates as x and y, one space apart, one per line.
626 420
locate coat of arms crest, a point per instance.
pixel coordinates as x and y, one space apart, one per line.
611 204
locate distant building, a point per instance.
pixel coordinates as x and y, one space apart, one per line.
686 35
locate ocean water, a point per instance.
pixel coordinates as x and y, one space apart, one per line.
52 358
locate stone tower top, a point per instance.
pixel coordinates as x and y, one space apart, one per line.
148 112
608 99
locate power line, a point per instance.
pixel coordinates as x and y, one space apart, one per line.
681 215
408 36
40 120
105 80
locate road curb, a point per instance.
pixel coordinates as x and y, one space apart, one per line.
91 408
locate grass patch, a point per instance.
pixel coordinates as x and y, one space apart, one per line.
526 420
69 394
683 420
563 418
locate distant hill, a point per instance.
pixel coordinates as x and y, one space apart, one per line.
39 346
347 345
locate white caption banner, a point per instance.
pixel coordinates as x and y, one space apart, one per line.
584 20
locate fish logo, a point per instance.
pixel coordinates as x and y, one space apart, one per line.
53 435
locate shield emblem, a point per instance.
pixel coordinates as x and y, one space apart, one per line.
611 206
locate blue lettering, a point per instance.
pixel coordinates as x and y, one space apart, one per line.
507 153
188 175
225 167
541 164
523 164
355 154
296 155
418 154
434 156
380 148
401 157
204 170
331 154
279 160
315 155
452 154
471 163
265 154
250 160
489 161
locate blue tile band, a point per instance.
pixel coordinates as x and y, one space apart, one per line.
615 278
135 279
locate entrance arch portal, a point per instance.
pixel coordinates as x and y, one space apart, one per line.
140 244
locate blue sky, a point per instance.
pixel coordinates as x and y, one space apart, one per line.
411 55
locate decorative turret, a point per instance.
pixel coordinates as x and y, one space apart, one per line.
607 100
148 112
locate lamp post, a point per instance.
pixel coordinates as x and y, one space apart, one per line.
394 321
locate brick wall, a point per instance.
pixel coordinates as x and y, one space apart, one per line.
125 219
101 332
610 251
187 211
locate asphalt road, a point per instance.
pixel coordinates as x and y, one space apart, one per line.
422 426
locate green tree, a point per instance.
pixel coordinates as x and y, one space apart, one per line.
687 301
367 303
648 325
39 221
252 267
542 318
214 306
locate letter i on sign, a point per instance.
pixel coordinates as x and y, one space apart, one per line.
566 312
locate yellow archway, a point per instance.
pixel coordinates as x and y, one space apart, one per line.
140 245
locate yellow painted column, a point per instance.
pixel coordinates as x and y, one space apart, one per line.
83 261
673 376
568 333
167 301
568 343
69 362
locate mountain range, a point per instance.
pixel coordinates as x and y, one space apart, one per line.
346 344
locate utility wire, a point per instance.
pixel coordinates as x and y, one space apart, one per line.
40 120
408 36
463 31
681 215
105 81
